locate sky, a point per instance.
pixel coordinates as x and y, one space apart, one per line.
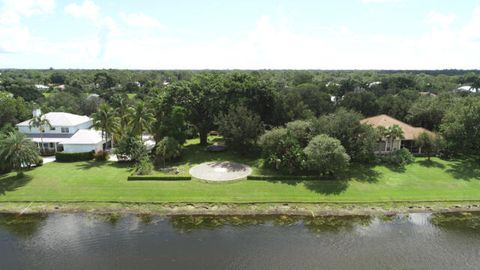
247 34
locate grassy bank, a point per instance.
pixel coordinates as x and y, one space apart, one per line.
438 180
250 209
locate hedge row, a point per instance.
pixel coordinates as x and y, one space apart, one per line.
284 177
72 157
158 178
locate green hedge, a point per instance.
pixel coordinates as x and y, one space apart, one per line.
72 157
284 177
158 178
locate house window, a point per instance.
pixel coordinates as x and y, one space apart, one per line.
65 130
52 145
45 145
52 128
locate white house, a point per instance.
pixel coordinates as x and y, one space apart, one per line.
466 89
68 133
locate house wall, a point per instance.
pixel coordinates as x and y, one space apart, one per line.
81 148
58 129
385 146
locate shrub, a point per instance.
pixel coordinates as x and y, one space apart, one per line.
39 162
101 156
302 130
399 158
73 157
282 150
167 149
130 148
326 155
143 167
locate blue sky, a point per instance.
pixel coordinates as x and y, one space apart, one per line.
266 34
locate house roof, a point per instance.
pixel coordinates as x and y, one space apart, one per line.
84 136
409 132
61 119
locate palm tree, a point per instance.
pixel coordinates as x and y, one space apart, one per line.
17 151
40 122
141 119
105 120
123 112
392 133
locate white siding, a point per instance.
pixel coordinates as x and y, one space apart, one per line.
80 148
58 129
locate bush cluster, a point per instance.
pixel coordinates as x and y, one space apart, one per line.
399 158
73 157
294 149
143 167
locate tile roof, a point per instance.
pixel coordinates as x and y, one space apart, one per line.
409 132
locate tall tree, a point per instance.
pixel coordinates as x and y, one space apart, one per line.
203 97
364 102
240 127
426 143
17 152
461 126
359 140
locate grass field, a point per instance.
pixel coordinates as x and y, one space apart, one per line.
436 180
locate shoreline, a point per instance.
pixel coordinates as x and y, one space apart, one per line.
239 209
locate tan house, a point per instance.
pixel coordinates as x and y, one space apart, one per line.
410 134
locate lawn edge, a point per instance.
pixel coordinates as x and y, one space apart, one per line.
296 209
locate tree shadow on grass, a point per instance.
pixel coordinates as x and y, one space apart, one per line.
334 186
87 165
431 164
98 164
396 168
13 182
466 169
361 173
330 187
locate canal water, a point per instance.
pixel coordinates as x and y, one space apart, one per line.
86 241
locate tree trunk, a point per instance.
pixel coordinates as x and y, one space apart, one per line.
203 137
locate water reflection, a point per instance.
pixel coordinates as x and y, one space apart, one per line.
22 225
464 222
114 241
313 224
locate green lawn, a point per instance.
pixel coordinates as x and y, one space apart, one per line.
437 180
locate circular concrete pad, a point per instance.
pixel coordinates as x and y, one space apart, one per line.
220 171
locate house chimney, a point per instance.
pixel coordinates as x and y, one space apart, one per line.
37 112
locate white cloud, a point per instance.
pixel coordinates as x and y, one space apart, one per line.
29 7
437 19
273 42
141 20
378 1
88 10
14 36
